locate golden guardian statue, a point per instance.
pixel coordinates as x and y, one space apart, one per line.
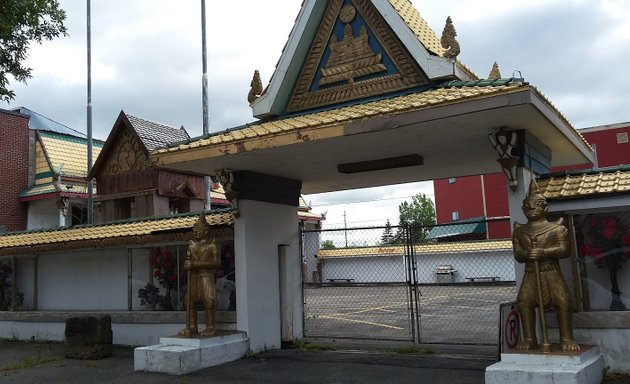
203 257
539 244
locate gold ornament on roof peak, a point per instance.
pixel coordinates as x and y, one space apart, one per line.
448 41
256 88
495 74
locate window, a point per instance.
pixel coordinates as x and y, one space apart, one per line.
179 205
622 137
124 208
79 215
452 180
455 215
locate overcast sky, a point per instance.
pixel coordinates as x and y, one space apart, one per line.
146 60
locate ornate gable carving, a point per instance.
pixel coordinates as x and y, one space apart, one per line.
127 155
355 55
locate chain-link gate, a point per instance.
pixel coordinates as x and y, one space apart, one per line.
384 284
359 290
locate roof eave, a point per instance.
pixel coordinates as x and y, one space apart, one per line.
275 98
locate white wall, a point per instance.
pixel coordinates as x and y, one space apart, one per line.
258 232
83 280
392 268
123 333
42 214
26 281
382 269
310 245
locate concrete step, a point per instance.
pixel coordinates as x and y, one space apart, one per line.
178 356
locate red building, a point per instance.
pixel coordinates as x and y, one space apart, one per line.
484 196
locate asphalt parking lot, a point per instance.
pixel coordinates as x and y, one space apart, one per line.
457 314
43 363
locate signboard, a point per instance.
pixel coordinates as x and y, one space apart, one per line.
509 327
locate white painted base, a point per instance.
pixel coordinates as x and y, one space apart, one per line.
178 356
523 368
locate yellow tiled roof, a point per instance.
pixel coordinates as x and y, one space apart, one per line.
585 185
99 235
308 215
397 250
427 99
41 164
69 151
42 189
418 26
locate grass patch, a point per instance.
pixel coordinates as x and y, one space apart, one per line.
615 377
310 347
251 354
28 362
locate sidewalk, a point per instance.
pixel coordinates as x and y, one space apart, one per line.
45 363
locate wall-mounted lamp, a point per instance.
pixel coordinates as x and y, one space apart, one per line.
504 142
381 164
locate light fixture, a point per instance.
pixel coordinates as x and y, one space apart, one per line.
381 164
504 142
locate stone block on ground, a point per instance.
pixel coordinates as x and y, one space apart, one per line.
88 337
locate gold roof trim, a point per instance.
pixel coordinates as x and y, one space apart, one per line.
585 185
397 250
427 99
142 231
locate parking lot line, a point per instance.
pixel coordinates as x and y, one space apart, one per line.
361 322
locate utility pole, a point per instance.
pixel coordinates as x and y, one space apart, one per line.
207 191
90 186
345 227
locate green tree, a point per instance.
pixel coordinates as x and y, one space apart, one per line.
21 22
388 236
327 244
419 214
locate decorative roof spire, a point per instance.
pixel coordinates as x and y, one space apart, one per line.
256 88
495 74
448 41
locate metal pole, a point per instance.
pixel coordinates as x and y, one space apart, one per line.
90 187
207 193
546 345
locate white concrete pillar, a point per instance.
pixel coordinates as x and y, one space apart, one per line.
534 159
258 232
267 222
515 202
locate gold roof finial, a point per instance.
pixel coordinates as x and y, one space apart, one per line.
448 41
256 88
495 74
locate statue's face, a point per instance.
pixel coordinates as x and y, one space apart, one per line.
535 208
199 232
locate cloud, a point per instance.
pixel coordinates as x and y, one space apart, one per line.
147 62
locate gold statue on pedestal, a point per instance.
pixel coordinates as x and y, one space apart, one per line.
540 244
203 257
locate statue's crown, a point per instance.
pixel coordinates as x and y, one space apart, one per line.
534 192
201 223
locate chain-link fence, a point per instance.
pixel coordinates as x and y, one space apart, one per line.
441 284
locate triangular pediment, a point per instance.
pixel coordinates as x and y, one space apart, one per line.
126 155
342 51
354 55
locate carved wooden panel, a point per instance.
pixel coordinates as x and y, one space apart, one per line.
127 156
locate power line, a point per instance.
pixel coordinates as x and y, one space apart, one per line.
367 201
361 221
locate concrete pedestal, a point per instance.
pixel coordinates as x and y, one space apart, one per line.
585 367
178 356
